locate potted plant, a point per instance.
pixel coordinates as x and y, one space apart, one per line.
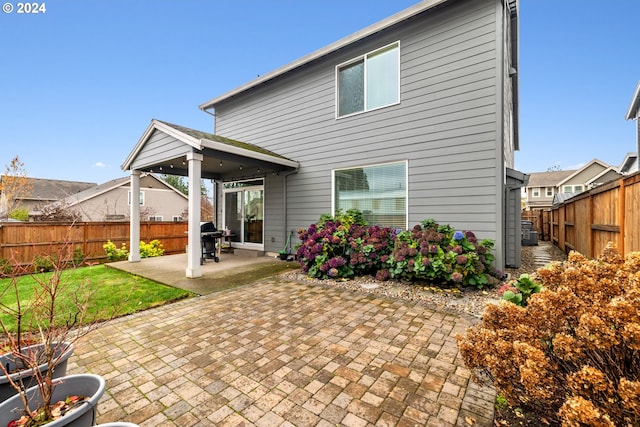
40 329
75 400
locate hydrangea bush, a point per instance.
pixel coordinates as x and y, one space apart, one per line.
438 253
344 246
572 354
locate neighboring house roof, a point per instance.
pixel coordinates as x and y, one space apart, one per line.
201 140
47 190
426 5
598 179
548 179
110 185
632 113
594 161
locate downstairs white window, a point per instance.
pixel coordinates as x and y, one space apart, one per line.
379 191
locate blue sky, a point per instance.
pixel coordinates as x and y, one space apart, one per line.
80 83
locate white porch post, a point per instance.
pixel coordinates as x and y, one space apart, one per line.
134 218
193 258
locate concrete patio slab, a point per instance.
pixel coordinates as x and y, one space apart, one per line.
231 271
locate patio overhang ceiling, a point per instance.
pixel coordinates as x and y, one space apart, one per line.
164 148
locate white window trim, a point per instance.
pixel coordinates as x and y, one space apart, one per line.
406 180
547 191
364 57
156 218
142 198
533 192
567 189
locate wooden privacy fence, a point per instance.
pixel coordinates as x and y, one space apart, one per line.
25 241
609 213
541 221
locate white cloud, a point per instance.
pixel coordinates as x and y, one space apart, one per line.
100 165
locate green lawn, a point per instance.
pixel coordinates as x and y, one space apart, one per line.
109 292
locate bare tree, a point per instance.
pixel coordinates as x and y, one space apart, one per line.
14 187
58 211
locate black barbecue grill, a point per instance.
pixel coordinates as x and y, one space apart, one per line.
208 236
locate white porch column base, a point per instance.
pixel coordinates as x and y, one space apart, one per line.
194 269
134 218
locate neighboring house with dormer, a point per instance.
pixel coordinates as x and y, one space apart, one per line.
542 188
111 201
413 117
545 189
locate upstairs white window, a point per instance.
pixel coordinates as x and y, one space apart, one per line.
535 192
370 81
549 192
573 189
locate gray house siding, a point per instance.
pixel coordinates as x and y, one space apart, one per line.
159 146
448 124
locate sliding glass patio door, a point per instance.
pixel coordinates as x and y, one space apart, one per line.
243 212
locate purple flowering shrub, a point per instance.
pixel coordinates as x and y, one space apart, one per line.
438 254
344 246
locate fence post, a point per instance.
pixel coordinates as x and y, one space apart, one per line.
621 217
591 230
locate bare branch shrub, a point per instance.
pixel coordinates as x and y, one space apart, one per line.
572 355
44 318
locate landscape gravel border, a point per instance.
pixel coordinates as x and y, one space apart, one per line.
469 302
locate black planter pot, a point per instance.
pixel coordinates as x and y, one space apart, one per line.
84 415
60 370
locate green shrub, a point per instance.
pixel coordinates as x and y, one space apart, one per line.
114 253
147 250
572 354
43 263
519 291
21 214
78 256
152 249
5 267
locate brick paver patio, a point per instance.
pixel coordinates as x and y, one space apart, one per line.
279 353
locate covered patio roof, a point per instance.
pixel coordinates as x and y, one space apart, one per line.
163 148
177 150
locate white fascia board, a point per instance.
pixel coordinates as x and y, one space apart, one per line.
372 29
632 113
226 148
93 196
